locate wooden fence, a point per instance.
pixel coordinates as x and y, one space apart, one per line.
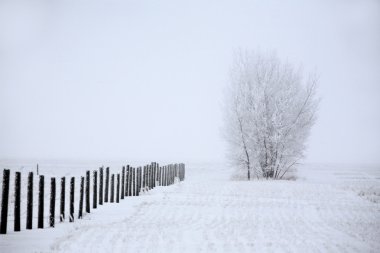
131 181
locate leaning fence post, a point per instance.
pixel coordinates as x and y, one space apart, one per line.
101 186
88 191
41 203
80 213
107 184
95 193
122 183
117 187
17 211
4 202
72 188
62 200
29 202
112 187
52 202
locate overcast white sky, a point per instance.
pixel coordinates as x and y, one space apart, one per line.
144 79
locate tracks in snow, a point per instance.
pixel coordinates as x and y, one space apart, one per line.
224 216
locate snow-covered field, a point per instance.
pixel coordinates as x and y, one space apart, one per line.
329 208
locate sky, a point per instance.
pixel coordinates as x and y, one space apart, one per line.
144 80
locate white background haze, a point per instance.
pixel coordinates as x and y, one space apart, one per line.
145 79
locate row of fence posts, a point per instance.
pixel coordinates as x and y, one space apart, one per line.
133 182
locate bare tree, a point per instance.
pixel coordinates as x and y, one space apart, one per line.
269 111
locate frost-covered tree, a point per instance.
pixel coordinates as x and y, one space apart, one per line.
269 111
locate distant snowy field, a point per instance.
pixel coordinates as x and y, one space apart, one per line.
329 208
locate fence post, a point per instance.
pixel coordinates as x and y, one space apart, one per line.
126 181
172 174
29 202
95 193
101 186
72 188
167 175
134 181
117 187
88 191
164 175
112 187
52 202
138 181
154 174
107 184
150 176
62 200
147 177
143 177
130 180
80 213
122 183
4 202
41 203
159 176
17 211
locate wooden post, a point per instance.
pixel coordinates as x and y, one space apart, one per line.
154 174
127 181
134 181
80 213
52 202
149 177
107 184
166 175
159 176
88 191
29 202
41 203
95 193
112 188
101 186
4 202
144 178
17 211
122 183
138 181
117 187
72 188
163 175
130 180
62 200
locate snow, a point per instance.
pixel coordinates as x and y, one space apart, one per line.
329 208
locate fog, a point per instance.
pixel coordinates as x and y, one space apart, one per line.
136 80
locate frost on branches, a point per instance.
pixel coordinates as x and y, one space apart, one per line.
269 111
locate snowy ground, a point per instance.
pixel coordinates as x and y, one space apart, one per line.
330 208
